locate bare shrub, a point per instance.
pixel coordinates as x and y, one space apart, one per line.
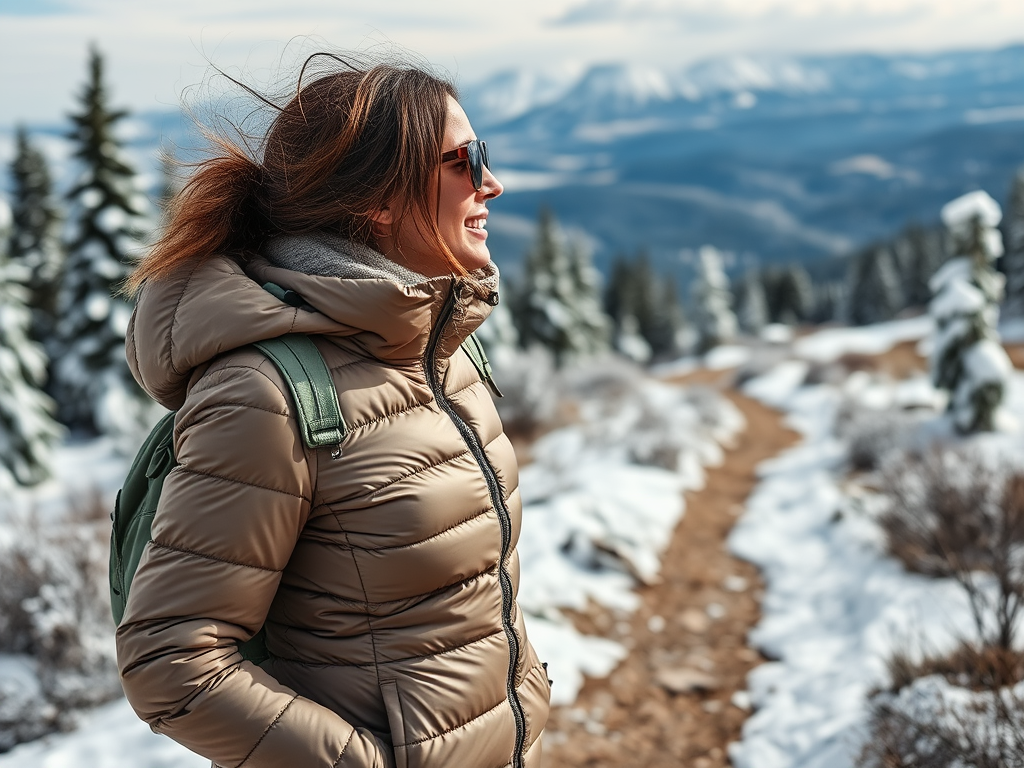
954 514
55 615
874 435
935 726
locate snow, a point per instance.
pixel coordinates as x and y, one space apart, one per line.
958 298
960 212
601 500
777 333
111 736
986 362
835 605
832 343
726 356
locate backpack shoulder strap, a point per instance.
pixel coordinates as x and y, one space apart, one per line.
312 388
475 349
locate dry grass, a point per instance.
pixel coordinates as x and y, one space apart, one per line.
955 514
955 740
973 666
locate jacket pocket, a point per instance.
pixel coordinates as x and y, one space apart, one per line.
396 721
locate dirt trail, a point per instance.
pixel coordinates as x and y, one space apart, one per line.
689 635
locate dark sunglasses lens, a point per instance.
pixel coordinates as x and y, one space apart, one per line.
474 153
483 153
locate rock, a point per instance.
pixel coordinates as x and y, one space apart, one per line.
685 680
695 620
735 583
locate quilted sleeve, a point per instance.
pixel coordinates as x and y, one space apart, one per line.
229 517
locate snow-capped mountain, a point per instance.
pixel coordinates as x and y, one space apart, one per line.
781 158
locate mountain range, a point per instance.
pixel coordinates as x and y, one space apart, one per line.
771 159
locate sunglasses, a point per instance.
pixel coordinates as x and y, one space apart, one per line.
475 154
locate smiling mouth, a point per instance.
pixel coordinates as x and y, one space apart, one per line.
478 224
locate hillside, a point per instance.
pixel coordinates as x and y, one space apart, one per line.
770 159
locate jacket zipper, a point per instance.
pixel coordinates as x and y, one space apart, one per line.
503 518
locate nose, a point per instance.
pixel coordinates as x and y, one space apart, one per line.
489 185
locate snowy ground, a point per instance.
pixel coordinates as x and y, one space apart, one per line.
835 606
601 500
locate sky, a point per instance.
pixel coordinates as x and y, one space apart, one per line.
157 51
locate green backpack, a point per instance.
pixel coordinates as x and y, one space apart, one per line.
320 422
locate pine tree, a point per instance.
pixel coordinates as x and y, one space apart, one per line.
34 243
794 295
873 287
27 429
93 386
829 300
1013 260
751 303
644 309
590 320
967 359
662 325
558 305
918 254
713 317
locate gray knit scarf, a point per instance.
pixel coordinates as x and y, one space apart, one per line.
327 255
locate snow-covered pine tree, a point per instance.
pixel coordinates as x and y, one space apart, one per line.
918 254
712 313
34 242
829 299
1013 260
590 320
873 287
557 305
967 359
27 429
627 289
794 295
662 324
644 309
751 303
94 389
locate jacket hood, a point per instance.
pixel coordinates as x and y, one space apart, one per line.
185 321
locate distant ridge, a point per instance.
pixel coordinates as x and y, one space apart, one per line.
771 158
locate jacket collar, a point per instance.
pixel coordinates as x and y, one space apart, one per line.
183 322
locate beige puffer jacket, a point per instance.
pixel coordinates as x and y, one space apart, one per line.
386 577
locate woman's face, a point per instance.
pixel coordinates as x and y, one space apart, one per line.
461 212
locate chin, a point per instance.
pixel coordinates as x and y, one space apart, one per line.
475 259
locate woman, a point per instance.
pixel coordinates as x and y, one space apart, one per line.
385 577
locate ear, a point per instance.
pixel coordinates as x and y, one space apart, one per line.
383 216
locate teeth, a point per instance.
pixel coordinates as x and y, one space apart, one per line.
476 223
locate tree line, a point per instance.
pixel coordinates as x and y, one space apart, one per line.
64 257
62 261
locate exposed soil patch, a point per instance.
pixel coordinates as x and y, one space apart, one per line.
673 701
1016 353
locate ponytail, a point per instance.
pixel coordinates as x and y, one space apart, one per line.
345 146
218 211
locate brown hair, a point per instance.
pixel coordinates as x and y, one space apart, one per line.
345 146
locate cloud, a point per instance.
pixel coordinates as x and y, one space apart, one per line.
157 49
723 13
